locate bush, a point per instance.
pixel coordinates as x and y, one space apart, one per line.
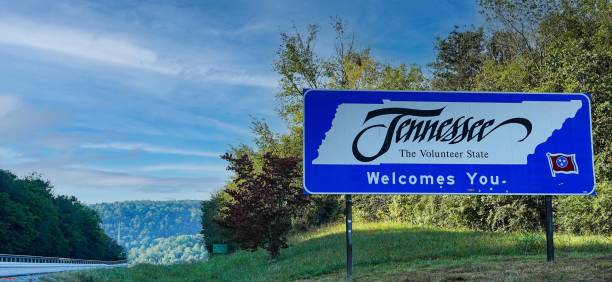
573 214
428 210
513 213
320 210
212 232
489 213
372 208
586 214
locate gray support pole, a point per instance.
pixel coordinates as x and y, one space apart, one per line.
550 248
348 212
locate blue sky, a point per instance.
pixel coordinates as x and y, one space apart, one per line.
127 100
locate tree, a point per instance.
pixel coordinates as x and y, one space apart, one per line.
299 68
260 206
528 46
521 19
212 232
33 221
459 59
563 46
348 68
170 250
38 196
578 58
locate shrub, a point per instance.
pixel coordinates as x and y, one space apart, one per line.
586 214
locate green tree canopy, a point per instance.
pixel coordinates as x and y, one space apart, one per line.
33 221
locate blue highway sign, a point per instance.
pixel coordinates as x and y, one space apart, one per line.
398 142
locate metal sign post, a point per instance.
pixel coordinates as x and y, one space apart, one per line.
550 248
348 212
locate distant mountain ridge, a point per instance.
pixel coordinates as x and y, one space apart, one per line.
159 232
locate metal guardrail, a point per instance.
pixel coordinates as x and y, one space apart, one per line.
16 265
39 259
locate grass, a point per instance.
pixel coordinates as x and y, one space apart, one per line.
393 252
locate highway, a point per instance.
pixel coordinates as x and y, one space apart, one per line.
18 265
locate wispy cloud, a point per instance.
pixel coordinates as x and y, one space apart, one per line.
80 43
117 50
233 77
8 104
8 155
225 126
18 118
108 179
92 185
184 168
149 149
98 178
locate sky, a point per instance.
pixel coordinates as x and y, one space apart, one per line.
136 100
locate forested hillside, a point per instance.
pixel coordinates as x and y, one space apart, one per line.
34 221
152 232
181 248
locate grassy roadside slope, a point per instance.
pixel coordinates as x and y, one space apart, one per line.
392 251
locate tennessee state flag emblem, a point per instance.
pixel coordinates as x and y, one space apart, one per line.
562 163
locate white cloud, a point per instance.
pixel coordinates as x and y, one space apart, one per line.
225 126
235 77
18 118
116 50
266 81
95 178
184 168
79 43
8 104
134 127
93 186
149 149
84 177
8 155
